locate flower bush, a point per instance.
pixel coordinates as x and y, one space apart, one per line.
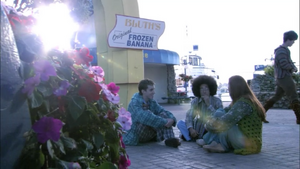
185 77
77 121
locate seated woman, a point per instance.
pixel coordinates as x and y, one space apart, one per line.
203 105
239 126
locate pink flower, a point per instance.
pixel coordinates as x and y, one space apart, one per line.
47 128
98 73
97 70
108 96
30 84
124 119
124 112
115 99
113 88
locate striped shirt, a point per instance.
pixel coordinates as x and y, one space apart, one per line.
283 65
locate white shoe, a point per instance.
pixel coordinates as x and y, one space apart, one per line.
200 142
214 147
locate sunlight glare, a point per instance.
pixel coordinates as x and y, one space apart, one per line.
55 26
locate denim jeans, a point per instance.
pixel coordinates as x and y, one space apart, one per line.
233 138
183 130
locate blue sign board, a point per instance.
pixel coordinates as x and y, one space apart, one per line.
195 48
259 67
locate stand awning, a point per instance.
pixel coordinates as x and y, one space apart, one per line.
161 57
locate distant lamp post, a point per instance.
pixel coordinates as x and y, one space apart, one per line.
184 77
186 83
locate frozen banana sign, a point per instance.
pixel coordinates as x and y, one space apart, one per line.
135 33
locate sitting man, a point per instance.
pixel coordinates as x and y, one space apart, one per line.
149 120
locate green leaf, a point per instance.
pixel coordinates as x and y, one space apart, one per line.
118 125
31 158
26 70
108 165
36 99
76 106
45 89
82 150
67 165
68 142
60 144
18 101
42 158
50 148
47 105
98 140
111 136
62 165
65 72
114 151
88 145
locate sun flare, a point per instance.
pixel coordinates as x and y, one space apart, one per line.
55 26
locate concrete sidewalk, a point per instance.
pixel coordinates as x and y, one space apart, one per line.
280 148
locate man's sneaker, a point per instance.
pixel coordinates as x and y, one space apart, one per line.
172 142
214 147
200 142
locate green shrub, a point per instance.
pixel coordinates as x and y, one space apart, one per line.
269 70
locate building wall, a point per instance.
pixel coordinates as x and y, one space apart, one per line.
125 67
158 73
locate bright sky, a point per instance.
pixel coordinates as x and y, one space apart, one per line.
232 35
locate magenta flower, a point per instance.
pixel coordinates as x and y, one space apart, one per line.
30 84
122 142
62 90
47 128
124 162
45 69
113 88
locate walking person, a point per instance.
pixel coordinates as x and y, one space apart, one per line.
203 105
283 70
150 121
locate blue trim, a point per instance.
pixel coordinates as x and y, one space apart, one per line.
153 56
161 57
93 52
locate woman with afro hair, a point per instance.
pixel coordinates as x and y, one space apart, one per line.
202 106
